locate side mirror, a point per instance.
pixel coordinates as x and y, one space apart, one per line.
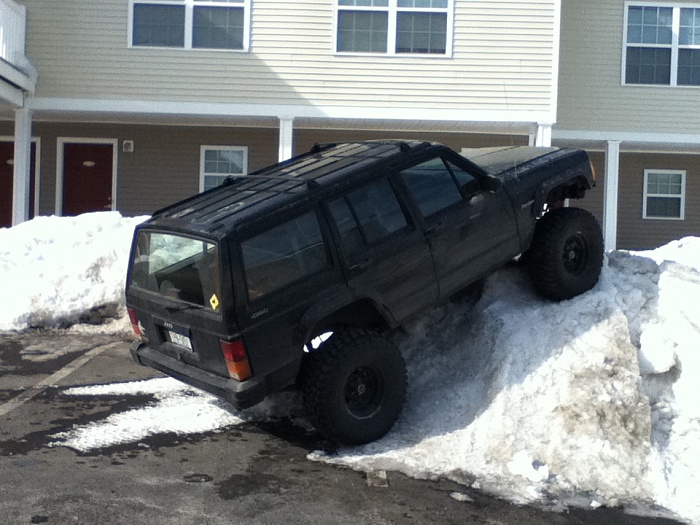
493 184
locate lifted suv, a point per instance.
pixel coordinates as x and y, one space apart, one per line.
227 289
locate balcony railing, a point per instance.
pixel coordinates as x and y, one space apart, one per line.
13 23
15 68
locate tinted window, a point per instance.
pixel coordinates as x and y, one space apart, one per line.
181 268
432 186
374 207
283 254
467 183
350 235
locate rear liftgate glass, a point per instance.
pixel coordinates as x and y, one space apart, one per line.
185 270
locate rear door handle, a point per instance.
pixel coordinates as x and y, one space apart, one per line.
362 265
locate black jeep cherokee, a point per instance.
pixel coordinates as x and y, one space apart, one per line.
228 289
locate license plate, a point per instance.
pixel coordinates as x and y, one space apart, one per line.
181 340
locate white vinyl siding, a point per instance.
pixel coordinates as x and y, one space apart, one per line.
502 65
218 162
664 194
592 95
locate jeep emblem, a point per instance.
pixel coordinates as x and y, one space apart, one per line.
168 325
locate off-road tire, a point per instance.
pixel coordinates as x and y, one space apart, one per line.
566 255
354 386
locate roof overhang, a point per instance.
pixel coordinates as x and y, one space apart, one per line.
631 142
268 116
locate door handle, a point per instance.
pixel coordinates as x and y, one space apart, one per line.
362 264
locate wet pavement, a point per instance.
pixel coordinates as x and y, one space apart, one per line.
250 473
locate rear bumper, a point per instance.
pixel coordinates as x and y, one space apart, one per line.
240 394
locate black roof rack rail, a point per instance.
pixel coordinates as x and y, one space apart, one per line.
232 179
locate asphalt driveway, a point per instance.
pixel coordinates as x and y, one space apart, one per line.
250 473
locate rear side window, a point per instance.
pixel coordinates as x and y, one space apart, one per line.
367 215
283 254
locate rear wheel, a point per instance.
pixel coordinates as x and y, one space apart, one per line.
566 255
354 386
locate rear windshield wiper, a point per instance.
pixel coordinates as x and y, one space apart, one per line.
184 306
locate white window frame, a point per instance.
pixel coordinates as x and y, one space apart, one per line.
189 22
393 11
674 46
681 217
202 155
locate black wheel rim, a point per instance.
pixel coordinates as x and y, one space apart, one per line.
575 254
363 391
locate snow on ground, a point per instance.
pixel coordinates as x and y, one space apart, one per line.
55 271
587 402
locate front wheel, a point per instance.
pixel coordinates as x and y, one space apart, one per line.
566 255
354 386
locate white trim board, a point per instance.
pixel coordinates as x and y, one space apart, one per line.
37 167
60 142
626 136
186 108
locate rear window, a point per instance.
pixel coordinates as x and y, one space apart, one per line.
181 268
283 254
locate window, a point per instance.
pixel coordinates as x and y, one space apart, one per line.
283 254
436 185
662 45
394 26
178 267
367 215
218 162
664 194
190 24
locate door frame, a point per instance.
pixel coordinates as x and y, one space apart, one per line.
60 146
37 171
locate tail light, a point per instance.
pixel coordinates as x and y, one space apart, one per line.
136 324
236 359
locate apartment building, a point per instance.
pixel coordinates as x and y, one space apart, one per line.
130 105
629 93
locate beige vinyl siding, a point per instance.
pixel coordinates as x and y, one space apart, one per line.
502 60
591 94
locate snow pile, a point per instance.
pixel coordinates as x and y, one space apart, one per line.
592 401
587 402
176 408
55 272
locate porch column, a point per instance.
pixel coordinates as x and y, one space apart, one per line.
286 138
22 166
543 137
610 186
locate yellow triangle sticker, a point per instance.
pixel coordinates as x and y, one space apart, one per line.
214 302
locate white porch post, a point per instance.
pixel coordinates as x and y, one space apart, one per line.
286 138
22 166
543 138
611 184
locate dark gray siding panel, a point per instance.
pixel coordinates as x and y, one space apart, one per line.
305 138
634 232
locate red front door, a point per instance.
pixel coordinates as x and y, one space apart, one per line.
7 155
87 178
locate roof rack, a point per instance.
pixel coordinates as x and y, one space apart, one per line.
232 179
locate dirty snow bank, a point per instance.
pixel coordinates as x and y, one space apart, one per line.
58 271
592 401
